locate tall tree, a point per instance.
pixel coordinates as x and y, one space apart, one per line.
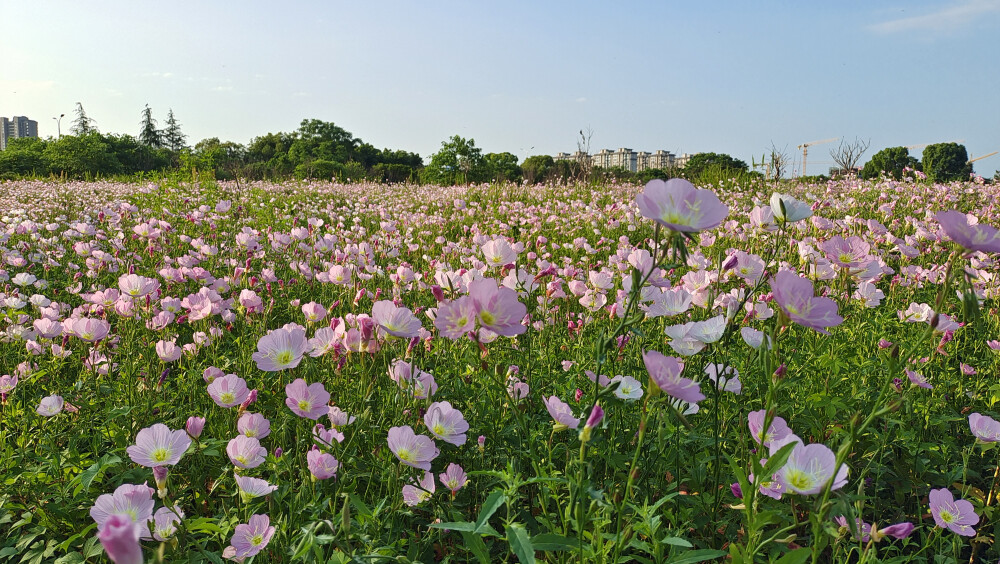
847 155
945 162
148 134
82 125
892 161
173 138
459 160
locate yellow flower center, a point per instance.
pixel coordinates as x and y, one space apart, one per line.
283 358
487 317
256 540
946 516
305 405
160 454
227 397
405 455
800 480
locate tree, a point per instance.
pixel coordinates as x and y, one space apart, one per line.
148 134
24 156
502 166
777 162
892 161
82 125
847 155
536 168
701 163
320 140
458 159
173 139
945 162
79 155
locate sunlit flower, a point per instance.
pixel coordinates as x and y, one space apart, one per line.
251 538
972 236
412 449
678 205
50 406
957 516
453 478
165 522
794 295
322 465
810 468
446 423
253 487
416 494
281 349
498 308
309 401
665 372
396 321
132 500
157 445
228 391
788 209
985 428
561 413
245 452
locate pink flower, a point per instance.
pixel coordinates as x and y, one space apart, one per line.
396 321
677 205
137 286
132 500
251 538
228 391
412 449
314 312
157 445
777 431
985 428
973 237
119 535
165 522
809 468
956 516
561 413
168 351
309 401
50 406
453 478
253 487
194 426
87 329
253 425
281 349
498 308
415 495
665 372
446 423
456 318
246 452
794 295
322 465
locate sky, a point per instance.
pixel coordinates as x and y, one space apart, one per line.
520 76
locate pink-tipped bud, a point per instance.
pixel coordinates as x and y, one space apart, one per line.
438 292
251 397
578 395
194 426
160 476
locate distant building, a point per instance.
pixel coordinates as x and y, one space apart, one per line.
17 127
627 159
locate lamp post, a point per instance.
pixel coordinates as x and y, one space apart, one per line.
59 125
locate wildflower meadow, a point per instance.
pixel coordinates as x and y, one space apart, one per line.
202 371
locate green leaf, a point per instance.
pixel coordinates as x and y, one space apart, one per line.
777 460
460 526
692 556
359 505
71 558
797 556
520 543
676 541
202 524
478 548
551 542
493 502
87 477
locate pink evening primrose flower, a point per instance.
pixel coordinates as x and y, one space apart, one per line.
246 452
412 449
498 308
281 349
50 406
561 413
165 522
957 516
985 428
973 237
322 465
414 495
132 500
665 372
119 536
251 538
396 321
788 209
794 295
253 425
777 431
453 478
446 423
677 205
809 468
228 391
157 445
309 401
253 487
456 318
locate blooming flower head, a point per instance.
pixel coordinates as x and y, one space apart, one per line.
165 522
862 530
561 413
794 295
446 423
228 391
396 321
809 468
157 445
87 329
137 286
281 349
972 236
777 431
957 516
251 538
677 205
629 389
322 465
453 478
852 252
314 312
665 372
985 428
253 425
253 487
896 530
412 449
134 501
725 377
788 209
338 418
415 495
50 406
456 318
119 536
309 401
245 452
498 252
7 384
498 308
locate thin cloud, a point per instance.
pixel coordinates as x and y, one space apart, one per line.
950 18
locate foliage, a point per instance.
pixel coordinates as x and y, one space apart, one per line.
173 138
701 164
502 167
945 162
536 168
148 134
82 125
458 161
892 161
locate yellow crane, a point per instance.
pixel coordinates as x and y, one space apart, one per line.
970 161
805 151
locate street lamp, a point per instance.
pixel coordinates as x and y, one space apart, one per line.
59 125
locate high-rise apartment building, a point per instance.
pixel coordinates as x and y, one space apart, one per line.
627 159
18 126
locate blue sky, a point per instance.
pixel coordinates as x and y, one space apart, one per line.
523 77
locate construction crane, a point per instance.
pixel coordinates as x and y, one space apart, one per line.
805 151
970 161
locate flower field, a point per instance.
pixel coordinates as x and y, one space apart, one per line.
201 372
